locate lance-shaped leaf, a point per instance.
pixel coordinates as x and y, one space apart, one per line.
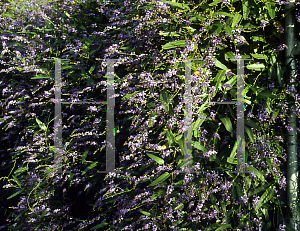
89 167
271 10
227 123
145 213
222 13
170 45
160 179
246 8
41 124
250 134
259 56
15 194
268 194
256 67
179 5
219 64
157 159
236 19
180 207
256 172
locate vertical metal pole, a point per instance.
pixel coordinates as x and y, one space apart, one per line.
292 165
188 117
58 120
240 127
110 137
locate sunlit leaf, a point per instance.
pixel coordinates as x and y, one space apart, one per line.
15 194
246 8
89 167
170 45
236 19
160 179
180 207
41 124
227 123
145 213
219 64
157 159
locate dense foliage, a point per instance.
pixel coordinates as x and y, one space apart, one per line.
150 40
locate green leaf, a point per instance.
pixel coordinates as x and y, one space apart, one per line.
20 170
170 137
232 160
219 64
129 95
17 181
52 191
222 13
279 73
228 29
22 214
252 124
8 15
84 156
89 167
234 149
145 213
160 192
41 124
164 96
215 2
226 226
179 141
236 19
236 191
271 10
157 159
258 38
170 45
259 56
275 113
267 94
199 121
219 78
229 55
179 5
250 134
39 3
232 80
189 29
268 194
41 77
169 34
202 108
160 179
246 9
227 123
256 67
92 69
99 226
180 207
68 15
184 162
15 194
197 145
256 172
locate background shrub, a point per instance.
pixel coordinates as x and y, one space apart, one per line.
130 31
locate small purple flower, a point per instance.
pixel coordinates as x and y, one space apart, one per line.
255 202
264 23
